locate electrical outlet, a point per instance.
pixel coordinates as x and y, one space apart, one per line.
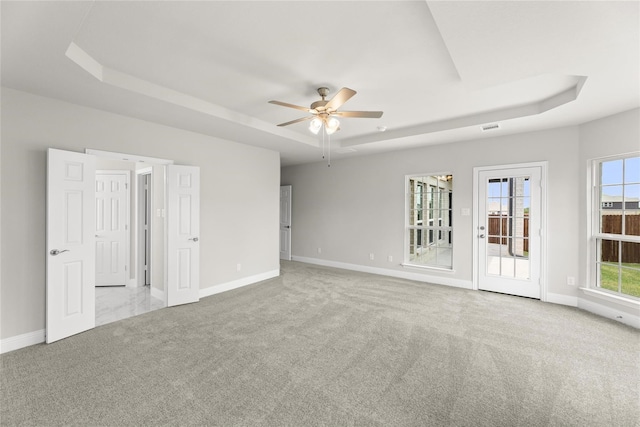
571 281
319 250
390 258
371 257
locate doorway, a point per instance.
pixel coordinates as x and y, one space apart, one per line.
285 222
509 228
123 241
71 242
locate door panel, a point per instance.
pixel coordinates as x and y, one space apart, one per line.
70 300
285 222
183 228
509 221
112 199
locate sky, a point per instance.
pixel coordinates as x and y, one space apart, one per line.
615 173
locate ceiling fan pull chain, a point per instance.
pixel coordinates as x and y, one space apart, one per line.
329 150
323 132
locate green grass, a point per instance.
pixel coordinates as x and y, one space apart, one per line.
630 278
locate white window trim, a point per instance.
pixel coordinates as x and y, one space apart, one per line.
593 221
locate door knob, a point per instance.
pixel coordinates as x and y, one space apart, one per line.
195 239
55 252
481 236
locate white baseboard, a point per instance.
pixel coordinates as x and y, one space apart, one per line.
562 299
420 277
609 313
157 293
216 289
37 337
20 341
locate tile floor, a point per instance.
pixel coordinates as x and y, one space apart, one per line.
119 302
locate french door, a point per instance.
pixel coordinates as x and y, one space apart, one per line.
509 229
70 244
71 241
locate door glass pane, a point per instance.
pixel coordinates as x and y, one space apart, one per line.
507 220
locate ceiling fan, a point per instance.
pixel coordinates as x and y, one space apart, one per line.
323 112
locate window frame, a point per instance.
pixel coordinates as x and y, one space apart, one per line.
431 223
596 205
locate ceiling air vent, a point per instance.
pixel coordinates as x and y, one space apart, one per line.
492 126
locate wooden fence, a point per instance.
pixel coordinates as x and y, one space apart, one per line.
610 224
500 235
610 249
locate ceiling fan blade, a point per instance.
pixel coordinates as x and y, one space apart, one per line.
297 107
363 114
340 98
296 121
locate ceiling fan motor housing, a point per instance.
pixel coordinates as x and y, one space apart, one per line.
323 92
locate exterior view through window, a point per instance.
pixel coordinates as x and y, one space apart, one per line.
617 232
508 206
429 232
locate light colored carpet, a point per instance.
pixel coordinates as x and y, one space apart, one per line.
321 346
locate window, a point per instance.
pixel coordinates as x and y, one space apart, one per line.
617 225
429 221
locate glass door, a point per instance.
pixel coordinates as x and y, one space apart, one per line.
509 231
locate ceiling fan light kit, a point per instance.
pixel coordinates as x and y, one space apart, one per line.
323 111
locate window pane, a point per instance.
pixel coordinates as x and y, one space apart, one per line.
611 172
632 170
610 222
630 254
429 231
632 224
609 277
444 257
618 260
609 251
632 197
631 280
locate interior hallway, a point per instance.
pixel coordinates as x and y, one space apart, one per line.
120 302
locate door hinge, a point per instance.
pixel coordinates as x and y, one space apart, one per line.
125 268
126 186
126 226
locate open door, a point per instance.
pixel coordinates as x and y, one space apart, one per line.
183 229
285 222
70 244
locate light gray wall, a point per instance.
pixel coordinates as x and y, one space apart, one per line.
239 196
357 206
614 135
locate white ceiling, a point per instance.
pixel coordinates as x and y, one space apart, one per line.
438 70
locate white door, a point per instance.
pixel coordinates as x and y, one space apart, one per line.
509 230
112 218
285 222
70 301
183 229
